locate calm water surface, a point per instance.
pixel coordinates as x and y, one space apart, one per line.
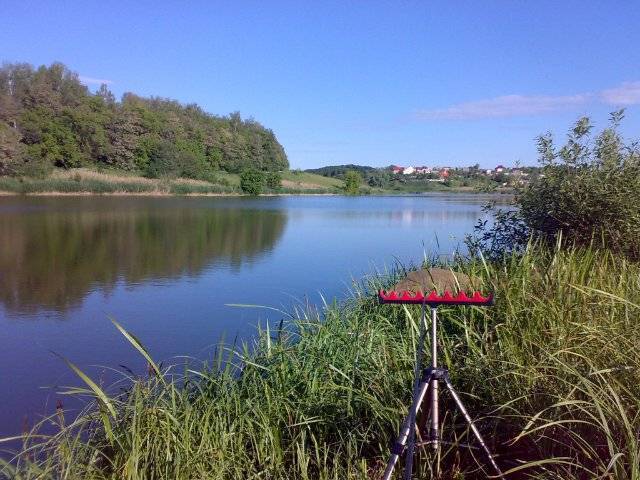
166 268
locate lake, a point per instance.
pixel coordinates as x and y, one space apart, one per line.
168 268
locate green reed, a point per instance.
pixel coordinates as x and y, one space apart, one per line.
106 186
552 373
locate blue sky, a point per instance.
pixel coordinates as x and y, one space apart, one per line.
366 82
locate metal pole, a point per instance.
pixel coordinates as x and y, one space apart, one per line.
474 429
408 468
404 432
435 418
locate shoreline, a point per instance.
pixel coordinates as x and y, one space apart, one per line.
89 182
153 194
5 193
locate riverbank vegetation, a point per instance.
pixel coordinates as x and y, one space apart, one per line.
111 181
108 181
551 372
587 192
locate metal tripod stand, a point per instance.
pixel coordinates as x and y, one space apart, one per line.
427 380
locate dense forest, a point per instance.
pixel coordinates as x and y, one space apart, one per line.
49 119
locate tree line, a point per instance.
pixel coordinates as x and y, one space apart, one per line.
49 119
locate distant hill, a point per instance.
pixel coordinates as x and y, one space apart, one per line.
338 171
48 119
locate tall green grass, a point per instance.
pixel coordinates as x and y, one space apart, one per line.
552 373
90 185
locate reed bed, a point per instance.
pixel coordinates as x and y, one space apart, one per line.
552 373
83 183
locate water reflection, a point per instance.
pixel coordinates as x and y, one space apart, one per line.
405 215
51 257
171 266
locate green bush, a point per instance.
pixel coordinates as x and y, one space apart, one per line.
252 181
352 181
273 180
162 160
588 192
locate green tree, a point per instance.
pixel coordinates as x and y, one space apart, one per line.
352 181
252 181
9 144
162 156
273 180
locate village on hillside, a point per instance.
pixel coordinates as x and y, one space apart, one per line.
442 173
426 178
471 176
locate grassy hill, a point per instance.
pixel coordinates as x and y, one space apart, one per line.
308 181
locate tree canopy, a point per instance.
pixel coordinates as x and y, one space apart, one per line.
48 119
352 181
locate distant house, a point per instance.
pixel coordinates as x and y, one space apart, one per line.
500 169
423 170
396 169
409 171
444 173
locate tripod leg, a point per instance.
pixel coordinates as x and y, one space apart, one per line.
474 429
408 466
407 427
435 417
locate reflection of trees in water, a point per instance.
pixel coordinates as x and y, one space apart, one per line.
52 260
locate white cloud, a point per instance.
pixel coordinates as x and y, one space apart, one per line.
626 94
94 81
505 106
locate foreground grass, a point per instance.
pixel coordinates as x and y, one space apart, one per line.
552 372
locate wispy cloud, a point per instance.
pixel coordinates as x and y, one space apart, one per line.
626 94
505 106
94 81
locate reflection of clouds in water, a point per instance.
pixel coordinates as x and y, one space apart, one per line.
406 216
398 210
52 259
